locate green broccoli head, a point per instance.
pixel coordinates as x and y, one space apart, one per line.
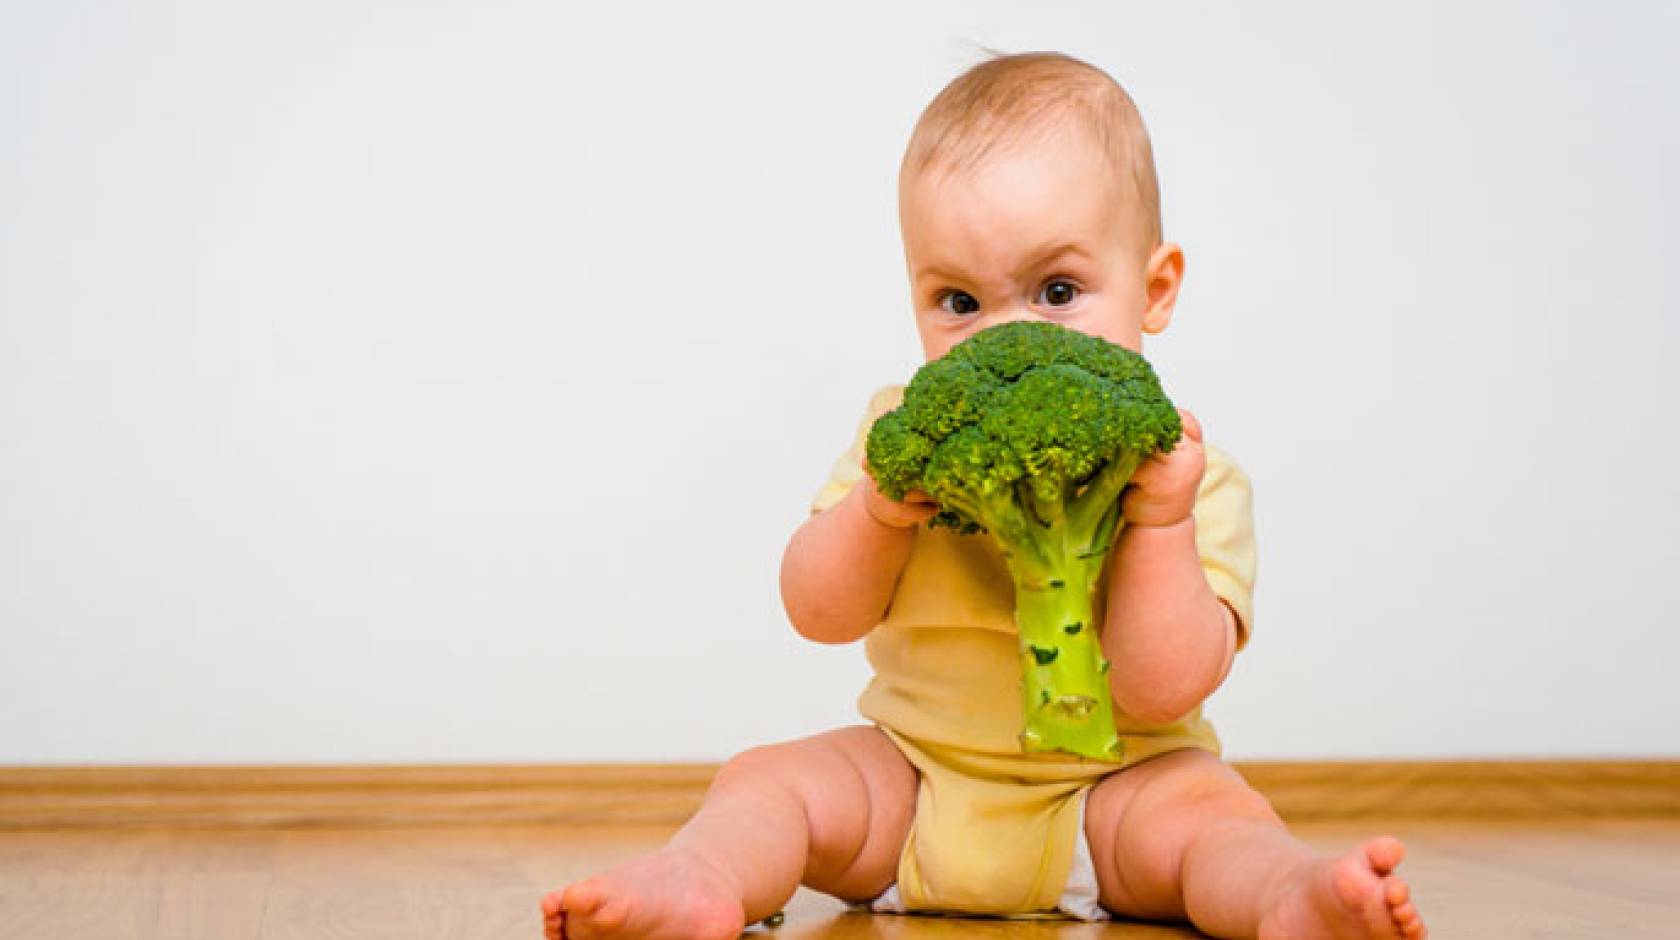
1030 431
1026 409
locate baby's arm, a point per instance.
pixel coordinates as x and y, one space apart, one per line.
840 567
1169 637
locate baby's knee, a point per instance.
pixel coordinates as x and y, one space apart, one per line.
1200 785
808 765
1215 791
766 764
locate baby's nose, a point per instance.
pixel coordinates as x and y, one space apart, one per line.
1015 314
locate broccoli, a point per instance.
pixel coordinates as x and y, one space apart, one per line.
1030 431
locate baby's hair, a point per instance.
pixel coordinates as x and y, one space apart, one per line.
1011 98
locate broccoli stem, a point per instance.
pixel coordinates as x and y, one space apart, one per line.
1064 690
1056 551
1095 509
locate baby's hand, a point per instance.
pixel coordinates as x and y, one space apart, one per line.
916 508
1163 490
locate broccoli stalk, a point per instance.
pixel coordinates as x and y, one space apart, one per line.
1030 432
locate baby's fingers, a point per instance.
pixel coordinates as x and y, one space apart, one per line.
1192 427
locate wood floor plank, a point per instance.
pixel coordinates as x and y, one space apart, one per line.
1513 881
451 885
138 885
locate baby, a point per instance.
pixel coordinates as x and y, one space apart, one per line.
1027 192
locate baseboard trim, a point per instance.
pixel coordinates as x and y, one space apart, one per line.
666 794
349 796
1468 789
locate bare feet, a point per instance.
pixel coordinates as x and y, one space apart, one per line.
1354 897
669 895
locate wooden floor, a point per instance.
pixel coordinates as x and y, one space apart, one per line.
1607 878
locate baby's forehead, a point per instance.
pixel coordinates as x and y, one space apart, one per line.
1014 213
1020 206
1063 150
1039 183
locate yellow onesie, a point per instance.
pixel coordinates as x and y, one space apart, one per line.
995 828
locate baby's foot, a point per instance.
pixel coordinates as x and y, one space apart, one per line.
1354 897
669 895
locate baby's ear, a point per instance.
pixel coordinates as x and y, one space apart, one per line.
1163 275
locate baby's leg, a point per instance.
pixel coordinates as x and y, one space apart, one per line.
1183 836
831 811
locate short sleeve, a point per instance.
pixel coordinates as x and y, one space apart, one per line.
849 468
1225 537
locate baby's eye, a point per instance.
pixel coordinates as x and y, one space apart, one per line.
959 302
1058 293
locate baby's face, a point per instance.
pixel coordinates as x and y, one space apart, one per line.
1037 232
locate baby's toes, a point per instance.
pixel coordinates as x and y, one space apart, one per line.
1400 907
1384 853
1396 892
552 929
583 898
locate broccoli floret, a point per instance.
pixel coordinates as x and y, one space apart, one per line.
1030 431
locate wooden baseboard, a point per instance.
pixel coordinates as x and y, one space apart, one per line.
666 794
349 796
1468 789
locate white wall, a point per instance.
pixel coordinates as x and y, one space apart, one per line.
397 382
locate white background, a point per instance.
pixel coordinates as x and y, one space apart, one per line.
441 382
